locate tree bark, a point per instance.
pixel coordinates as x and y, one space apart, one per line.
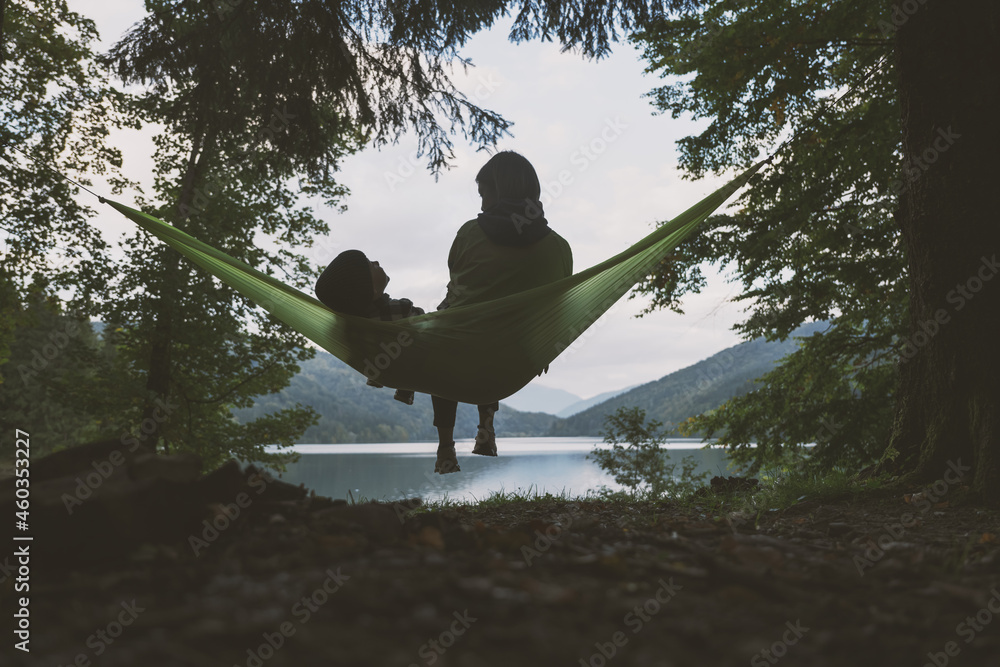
3 40
161 364
948 401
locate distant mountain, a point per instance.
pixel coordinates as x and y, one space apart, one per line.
536 398
582 405
693 390
351 411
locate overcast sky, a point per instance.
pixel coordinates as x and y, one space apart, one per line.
585 117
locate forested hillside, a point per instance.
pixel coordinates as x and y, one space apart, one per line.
348 409
351 411
693 390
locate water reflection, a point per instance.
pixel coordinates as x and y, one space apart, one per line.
405 470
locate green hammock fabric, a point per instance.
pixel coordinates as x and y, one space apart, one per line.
474 354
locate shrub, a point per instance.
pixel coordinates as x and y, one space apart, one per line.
637 462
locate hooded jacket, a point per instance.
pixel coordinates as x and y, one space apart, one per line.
509 248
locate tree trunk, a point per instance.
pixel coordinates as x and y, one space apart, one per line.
948 400
3 41
159 380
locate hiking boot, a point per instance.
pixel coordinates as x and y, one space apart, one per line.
447 460
486 442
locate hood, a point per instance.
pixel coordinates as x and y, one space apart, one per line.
516 223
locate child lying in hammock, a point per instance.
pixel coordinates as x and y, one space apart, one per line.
355 285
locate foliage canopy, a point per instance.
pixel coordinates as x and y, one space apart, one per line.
814 239
55 105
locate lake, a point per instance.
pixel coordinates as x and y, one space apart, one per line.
391 471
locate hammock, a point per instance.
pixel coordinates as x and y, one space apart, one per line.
477 353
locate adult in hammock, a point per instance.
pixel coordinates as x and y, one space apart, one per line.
508 248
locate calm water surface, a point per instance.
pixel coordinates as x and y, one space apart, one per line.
390 471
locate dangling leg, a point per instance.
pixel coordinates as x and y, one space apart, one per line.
486 439
444 419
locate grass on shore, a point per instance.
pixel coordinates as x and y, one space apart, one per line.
777 490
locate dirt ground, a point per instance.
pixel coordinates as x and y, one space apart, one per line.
884 580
